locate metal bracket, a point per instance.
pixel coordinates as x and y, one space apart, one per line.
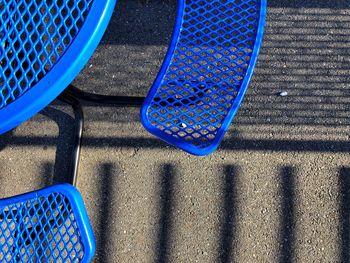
72 96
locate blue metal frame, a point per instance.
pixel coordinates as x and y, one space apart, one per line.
65 70
77 205
225 125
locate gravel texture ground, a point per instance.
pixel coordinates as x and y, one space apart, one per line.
278 188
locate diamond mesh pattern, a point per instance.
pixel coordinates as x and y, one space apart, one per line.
42 229
206 71
34 34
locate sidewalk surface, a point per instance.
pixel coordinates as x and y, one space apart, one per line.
278 188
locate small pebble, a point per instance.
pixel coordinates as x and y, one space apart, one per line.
283 93
183 125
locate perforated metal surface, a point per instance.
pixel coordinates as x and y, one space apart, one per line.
34 34
205 76
40 228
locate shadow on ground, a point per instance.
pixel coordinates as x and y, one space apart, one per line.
305 53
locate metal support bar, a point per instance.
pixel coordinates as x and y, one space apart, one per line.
72 96
125 101
78 134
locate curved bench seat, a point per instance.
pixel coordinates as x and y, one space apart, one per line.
49 225
206 72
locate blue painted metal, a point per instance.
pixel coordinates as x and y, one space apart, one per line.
49 225
206 72
43 46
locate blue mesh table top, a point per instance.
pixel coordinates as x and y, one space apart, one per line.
206 72
43 46
49 225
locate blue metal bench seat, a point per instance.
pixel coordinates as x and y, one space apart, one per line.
49 225
206 72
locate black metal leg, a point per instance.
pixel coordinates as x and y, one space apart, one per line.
125 101
78 134
72 96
